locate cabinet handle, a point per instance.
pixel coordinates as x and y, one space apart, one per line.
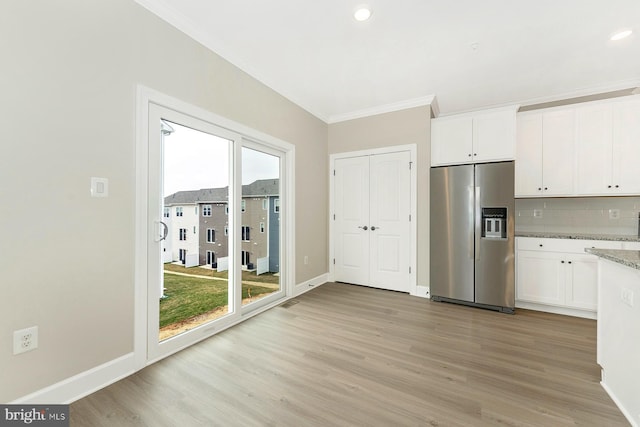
469 154
541 245
475 154
569 262
546 188
539 188
617 186
608 186
562 262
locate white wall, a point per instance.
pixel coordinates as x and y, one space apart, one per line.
67 110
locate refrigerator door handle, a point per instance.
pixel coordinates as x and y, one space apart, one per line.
471 215
478 219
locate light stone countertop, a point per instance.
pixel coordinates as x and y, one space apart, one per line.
578 236
630 258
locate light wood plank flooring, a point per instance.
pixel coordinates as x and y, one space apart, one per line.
344 355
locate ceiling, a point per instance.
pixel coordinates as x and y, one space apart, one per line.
469 54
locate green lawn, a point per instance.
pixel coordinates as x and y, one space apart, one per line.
246 275
187 297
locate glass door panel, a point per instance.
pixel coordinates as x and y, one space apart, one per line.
260 228
194 283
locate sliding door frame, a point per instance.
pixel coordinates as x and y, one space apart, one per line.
248 137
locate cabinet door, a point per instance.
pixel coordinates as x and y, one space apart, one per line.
494 136
558 136
582 282
626 146
540 278
594 150
528 167
451 141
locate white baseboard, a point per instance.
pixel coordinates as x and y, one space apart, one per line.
78 386
422 291
618 404
557 310
310 284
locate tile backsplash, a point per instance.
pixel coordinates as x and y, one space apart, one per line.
597 215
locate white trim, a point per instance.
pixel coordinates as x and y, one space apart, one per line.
472 113
578 93
586 314
78 386
615 399
422 291
373 151
153 96
74 388
308 285
381 109
143 99
185 25
413 151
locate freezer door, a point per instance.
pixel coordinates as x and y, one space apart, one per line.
452 232
494 271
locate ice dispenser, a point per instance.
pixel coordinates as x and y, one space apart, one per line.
494 223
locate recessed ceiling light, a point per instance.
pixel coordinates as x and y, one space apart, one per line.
362 13
621 35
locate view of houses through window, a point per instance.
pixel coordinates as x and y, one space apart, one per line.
196 170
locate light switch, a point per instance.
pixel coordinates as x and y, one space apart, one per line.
99 187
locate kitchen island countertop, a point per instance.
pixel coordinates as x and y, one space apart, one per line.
630 258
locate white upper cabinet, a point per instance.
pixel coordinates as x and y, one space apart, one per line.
558 136
608 148
528 167
593 150
451 140
588 149
483 136
544 154
626 147
494 135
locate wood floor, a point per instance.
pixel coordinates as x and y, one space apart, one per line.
344 355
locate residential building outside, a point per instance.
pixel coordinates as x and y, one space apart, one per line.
199 224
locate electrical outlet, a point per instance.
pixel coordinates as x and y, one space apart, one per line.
627 296
537 213
25 340
306 260
614 213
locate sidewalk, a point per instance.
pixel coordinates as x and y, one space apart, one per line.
247 282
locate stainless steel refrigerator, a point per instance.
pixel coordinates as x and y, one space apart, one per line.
472 235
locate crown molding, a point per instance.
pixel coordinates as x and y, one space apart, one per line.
381 109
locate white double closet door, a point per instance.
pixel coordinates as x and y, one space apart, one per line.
372 220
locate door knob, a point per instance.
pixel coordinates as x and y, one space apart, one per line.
365 228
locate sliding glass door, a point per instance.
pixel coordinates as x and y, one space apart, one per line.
214 226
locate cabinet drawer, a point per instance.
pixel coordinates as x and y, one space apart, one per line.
563 245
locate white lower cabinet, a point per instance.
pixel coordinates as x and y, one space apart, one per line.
540 277
581 282
557 276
